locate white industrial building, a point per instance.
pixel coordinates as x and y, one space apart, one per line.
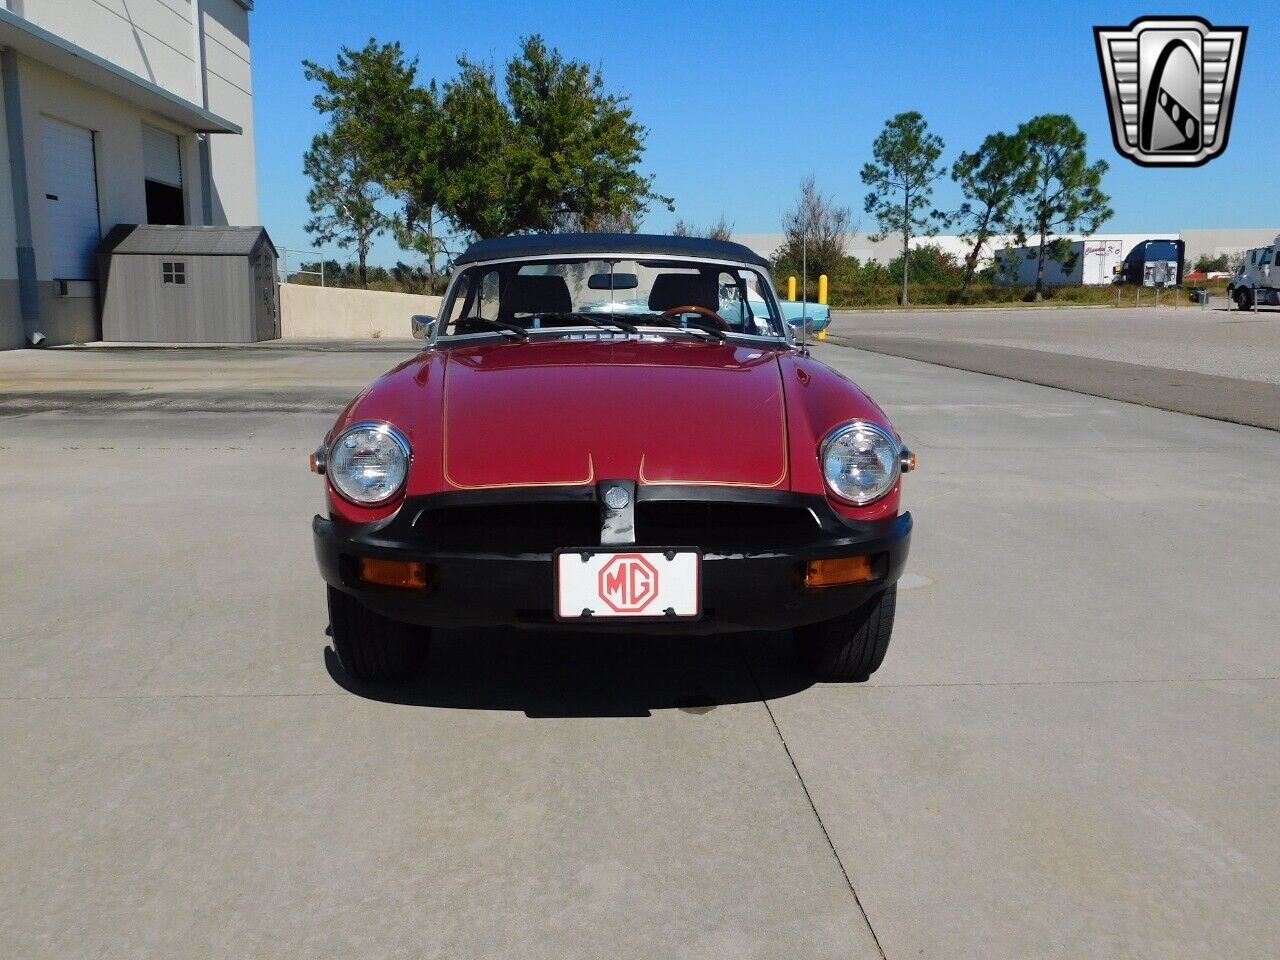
113 112
1098 253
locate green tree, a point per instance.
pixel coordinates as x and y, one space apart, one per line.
557 152
1066 190
575 148
901 181
929 264
549 149
722 229
475 134
994 180
1206 263
393 126
418 180
343 198
815 232
364 97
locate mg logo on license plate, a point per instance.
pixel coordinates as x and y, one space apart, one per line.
628 583
594 584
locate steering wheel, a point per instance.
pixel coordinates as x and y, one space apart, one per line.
701 311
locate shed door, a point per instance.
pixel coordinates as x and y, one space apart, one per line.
71 199
162 174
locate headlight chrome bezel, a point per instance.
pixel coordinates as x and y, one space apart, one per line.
896 450
386 430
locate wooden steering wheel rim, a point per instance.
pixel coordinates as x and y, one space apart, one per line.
701 311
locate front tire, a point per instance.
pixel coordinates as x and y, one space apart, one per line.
371 646
849 649
1244 298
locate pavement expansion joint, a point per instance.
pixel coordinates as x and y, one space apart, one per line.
812 806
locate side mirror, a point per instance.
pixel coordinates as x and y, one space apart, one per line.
423 326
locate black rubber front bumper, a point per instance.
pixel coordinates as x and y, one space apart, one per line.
748 583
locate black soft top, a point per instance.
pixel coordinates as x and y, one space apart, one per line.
538 245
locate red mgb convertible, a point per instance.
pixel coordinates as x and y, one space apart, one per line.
613 433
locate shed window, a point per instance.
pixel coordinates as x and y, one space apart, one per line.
173 272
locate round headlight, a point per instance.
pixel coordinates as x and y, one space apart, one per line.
860 462
368 463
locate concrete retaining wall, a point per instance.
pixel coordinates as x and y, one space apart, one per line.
324 312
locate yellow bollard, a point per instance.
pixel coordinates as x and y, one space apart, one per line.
791 288
822 288
821 334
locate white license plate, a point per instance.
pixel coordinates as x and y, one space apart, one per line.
652 584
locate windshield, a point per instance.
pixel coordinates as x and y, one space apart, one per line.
664 297
1161 250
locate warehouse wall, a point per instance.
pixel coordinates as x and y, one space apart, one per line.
153 39
157 40
203 59
229 83
11 329
1213 243
333 312
117 126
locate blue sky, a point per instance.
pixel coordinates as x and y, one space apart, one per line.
744 100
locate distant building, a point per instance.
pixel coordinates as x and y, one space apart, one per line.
1098 253
113 113
1215 243
1091 261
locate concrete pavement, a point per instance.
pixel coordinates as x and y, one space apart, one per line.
1069 751
283 376
1210 363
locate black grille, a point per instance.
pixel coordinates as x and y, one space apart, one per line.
721 526
506 527
544 526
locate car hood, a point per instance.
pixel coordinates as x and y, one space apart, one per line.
659 411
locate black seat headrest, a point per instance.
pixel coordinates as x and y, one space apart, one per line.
684 290
535 294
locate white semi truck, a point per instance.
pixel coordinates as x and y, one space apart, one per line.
1258 277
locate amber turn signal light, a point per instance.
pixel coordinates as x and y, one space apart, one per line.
830 573
392 573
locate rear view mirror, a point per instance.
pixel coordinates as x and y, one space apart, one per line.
422 326
613 281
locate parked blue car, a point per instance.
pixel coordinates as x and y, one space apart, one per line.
818 314
731 308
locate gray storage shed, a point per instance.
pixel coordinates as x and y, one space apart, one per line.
188 284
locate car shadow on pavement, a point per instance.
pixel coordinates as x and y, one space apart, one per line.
581 675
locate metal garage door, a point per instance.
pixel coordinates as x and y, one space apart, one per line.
161 156
162 176
71 199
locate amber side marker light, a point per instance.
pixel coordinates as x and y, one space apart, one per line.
831 573
392 573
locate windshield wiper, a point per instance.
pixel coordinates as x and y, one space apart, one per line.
710 330
502 325
595 321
